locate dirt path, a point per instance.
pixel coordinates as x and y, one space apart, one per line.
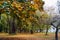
23 38
38 36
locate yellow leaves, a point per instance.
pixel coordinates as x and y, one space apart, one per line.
44 15
36 0
17 5
23 19
14 11
23 16
31 12
32 5
31 18
28 22
20 8
36 6
13 4
1 2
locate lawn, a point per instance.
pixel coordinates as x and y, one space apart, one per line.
26 36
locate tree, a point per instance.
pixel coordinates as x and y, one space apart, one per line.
56 24
43 21
6 8
21 12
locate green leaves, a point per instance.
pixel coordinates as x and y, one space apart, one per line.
6 7
1 7
5 4
21 1
31 9
24 12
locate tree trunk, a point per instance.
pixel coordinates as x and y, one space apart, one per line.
1 28
46 31
0 16
12 29
0 24
56 34
41 30
31 31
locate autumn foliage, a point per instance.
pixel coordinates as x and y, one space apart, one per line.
21 13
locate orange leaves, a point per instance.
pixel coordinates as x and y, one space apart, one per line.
36 0
31 12
17 5
19 8
31 18
31 5
1 2
36 6
13 4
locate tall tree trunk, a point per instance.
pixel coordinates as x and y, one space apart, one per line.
56 34
31 30
12 26
41 30
8 22
0 16
0 24
1 28
46 31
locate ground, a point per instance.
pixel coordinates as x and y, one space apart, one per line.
26 36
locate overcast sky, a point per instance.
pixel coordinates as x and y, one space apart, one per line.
51 4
